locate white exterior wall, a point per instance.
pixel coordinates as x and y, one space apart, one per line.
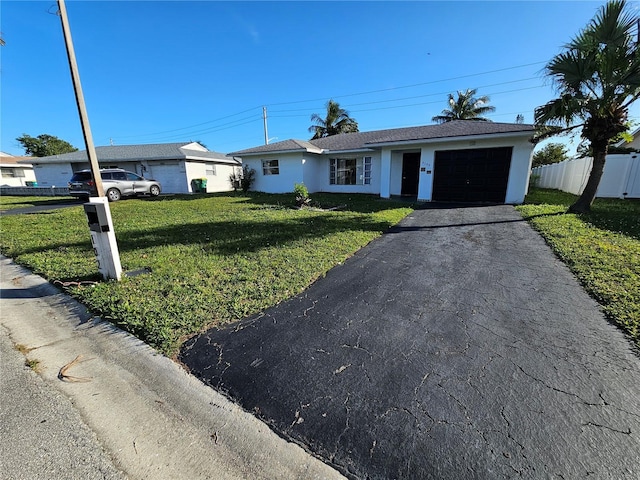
315 172
215 183
26 174
395 176
620 179
518 173
290 167
53 174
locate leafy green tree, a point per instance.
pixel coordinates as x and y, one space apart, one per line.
44 145
598 78
336 121
551 153
466 107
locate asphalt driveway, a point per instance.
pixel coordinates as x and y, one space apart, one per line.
455 346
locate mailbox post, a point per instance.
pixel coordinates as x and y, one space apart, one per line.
103 238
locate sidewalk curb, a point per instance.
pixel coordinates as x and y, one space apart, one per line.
153 418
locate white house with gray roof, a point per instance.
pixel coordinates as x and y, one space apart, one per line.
458 161
174 165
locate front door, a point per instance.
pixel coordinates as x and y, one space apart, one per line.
410 173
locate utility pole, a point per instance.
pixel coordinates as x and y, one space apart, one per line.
103 236
82 109
264 120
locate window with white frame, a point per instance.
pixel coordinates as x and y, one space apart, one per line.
210 171
9 172
270 167
350 171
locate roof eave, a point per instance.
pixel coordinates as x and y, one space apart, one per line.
349 150
457 138
275 152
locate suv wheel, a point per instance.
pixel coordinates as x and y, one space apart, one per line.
113 194
154 190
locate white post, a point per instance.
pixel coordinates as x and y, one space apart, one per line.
385 173
103 238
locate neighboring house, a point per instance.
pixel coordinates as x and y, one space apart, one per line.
634 144
174 165
13 174
620 178
459 161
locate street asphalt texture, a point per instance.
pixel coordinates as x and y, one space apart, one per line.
455 346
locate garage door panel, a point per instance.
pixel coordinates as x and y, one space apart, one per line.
474 175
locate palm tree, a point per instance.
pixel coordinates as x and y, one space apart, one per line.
337 121
598 78
466 107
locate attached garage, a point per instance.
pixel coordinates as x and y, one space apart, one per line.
472 175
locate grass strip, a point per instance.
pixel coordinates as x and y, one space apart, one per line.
213 259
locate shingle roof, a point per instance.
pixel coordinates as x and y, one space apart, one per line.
158 151
283 146
11 160
367 140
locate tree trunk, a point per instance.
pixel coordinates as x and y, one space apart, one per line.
583 204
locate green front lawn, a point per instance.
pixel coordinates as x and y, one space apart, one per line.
601 248
213 259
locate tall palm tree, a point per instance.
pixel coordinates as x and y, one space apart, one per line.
337 121
598 78
466 107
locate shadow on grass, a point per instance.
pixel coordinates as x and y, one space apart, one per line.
620 216
612 214
38 203
357 202
228 237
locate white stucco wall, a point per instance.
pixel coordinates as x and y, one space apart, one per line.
290 166
215 183
53 174
395 178
314 172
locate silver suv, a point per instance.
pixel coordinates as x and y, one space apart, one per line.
116 183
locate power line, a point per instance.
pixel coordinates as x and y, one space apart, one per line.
412 97
227 125
408 86
191 126
413 104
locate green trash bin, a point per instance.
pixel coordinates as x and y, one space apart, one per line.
203 185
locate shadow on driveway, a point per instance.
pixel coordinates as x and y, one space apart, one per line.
455 346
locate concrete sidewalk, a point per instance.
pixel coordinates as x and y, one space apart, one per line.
126 413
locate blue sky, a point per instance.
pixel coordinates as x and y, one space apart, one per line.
155 72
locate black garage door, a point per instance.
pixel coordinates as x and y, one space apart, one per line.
474 175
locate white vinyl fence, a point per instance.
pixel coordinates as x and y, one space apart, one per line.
621 177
